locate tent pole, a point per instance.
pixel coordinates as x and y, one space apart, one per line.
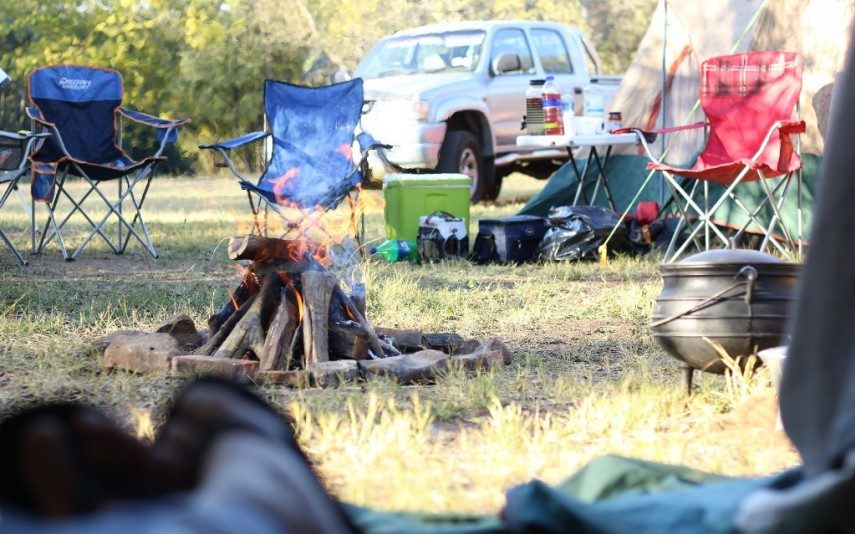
662 98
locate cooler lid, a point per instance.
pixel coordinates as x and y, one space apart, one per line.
426 180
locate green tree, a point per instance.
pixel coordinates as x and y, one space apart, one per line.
616 28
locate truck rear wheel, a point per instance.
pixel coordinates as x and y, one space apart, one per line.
460 153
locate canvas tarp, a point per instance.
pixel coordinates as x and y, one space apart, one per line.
696 31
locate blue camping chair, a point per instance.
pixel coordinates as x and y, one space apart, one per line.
82 107
311 162
14 165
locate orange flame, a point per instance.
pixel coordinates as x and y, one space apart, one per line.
349 313
299 305
346 151
279 184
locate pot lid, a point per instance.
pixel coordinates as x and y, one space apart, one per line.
731 255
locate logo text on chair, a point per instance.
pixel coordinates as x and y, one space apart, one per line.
74 84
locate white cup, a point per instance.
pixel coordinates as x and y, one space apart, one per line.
774 359
588 125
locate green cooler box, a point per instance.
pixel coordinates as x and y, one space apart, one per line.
409 196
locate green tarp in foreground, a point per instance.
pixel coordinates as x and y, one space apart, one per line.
610 494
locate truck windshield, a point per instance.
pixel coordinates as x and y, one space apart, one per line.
420 54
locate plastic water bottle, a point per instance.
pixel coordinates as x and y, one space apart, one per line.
553 123
568 113
392 250
595 100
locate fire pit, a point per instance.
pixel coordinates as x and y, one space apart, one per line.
738 300
291 321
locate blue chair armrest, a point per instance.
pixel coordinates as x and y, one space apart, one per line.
367 142
15 136
23 135
151 120
166 128
237 142
35 114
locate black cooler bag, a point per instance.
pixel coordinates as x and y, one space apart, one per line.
513 239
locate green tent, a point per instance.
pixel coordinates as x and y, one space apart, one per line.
627 173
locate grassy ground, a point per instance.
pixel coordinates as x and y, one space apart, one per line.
587 377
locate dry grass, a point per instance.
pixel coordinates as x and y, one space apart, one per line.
587 378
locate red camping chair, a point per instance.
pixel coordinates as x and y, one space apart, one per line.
748 100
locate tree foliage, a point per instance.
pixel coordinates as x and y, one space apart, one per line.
207 59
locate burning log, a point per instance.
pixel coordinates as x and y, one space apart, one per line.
247 288
223 331
278 344
260 249
317 290
349 339
373 340
249 333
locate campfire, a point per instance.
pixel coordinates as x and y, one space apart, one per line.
289 308
293 321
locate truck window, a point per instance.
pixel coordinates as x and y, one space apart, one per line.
512 40
552 51
423 54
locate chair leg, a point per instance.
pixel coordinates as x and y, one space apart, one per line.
32 225
51 223
266 219
77 207
677 192
799 228
775 221
774 205
6 194
119 226
148 244
706 210
255 211
11 247
112 210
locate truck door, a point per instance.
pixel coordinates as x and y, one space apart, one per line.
555 58
506 91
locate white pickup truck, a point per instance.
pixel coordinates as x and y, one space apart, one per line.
450 97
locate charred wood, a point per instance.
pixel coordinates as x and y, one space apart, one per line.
348 340
317 288
277 353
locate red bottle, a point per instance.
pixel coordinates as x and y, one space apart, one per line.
553 123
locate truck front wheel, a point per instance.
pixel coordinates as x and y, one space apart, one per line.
460 153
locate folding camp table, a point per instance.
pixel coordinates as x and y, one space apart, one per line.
592 141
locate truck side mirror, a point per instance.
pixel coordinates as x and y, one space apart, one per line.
506 62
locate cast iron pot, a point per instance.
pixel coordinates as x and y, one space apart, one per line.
738 299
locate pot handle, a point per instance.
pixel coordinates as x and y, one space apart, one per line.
749 274
746 275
